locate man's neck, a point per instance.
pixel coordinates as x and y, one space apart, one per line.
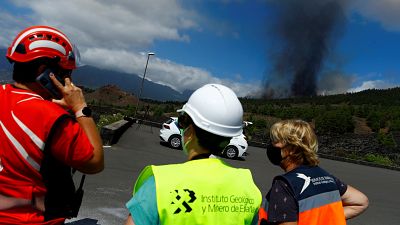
21 86
193 153
289 166
34 87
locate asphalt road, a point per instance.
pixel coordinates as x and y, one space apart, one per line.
106 193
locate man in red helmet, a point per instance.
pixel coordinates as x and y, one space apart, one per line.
39 139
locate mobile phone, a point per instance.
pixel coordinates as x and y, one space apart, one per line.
44 80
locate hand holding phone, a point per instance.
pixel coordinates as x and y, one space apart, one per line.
71 96
44 80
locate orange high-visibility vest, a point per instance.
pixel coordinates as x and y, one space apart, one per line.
262 216
317 195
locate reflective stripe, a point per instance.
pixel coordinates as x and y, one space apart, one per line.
10 202
319 200
28 32
27 99
39 143
20 148
7 202
47 44
26 93
4 87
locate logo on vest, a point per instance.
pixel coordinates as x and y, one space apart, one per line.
306 181
227 203
1 166
183 199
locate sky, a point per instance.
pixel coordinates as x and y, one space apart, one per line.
211 41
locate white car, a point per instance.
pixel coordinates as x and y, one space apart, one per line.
170 133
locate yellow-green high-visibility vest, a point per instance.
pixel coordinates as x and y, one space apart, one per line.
204 191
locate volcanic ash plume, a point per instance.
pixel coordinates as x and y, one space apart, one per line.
303 32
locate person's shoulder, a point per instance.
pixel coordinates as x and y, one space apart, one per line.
38 105
167 166
322 170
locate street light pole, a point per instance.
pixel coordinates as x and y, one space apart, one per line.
141 86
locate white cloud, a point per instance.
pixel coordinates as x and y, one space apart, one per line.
176 76
372 84
112 35
122 23
386 12
10 25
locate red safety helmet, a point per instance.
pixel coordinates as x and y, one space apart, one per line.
43 41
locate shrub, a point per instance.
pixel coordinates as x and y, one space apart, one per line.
158 111
260 123
108 119
375 120
130 110
386 139
378 159
336 121
395 125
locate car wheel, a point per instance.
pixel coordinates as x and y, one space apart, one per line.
231 152
175 141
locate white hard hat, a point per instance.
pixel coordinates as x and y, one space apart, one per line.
216 109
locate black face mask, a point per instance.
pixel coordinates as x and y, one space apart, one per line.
274 154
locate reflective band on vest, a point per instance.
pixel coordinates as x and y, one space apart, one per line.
319 200
205 191
317 195
35 139
19 148
9 202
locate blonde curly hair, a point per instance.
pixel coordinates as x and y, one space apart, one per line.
301 138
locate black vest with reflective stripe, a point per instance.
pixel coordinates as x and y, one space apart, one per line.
312 187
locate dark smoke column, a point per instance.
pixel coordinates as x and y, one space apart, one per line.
303 32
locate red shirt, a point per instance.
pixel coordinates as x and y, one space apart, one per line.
25 123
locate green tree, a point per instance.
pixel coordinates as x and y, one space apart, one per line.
336 121
394 125
158 111
386 139
375 120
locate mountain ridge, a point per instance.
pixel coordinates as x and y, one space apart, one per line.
94 77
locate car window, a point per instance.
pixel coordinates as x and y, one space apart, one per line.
169 121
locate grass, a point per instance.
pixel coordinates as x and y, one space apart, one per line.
378 159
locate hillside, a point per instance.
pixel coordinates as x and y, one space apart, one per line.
110 95
362 126
94 78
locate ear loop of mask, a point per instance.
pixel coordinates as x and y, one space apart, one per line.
184 145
